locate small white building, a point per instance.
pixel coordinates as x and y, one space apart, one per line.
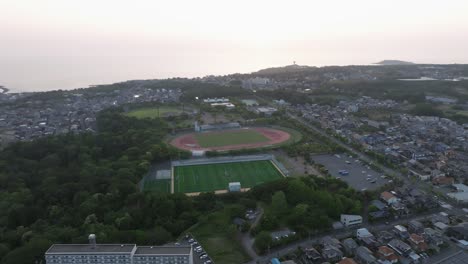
234 186
268 111
351 220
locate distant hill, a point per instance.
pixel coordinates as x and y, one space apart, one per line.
288 68
394 62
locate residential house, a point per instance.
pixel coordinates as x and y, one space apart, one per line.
399 208
331 241
433 237
384 237
440 226
313 255
332 254
365 256
418 243
415 226
386 253
363 232
400 247
369 242
388 197
401 232
349 246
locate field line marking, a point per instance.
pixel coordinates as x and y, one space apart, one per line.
277 168
172 180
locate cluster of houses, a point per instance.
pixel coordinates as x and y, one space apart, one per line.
428 147
37 116
410 243
402 201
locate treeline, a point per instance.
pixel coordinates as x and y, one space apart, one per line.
61 188
306 205
413 92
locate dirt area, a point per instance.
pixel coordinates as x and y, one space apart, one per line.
295 165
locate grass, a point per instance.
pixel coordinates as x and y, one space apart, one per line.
152 112
237 137
212 177
163 186
216 235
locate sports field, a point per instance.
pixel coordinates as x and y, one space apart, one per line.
212 177
152 112
234 137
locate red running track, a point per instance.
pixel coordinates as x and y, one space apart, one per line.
275 136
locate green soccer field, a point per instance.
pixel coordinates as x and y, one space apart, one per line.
152 112
212 177
236 137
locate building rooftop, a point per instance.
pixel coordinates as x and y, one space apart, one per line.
150 250
387 195
91 249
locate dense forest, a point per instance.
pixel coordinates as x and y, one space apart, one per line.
59 189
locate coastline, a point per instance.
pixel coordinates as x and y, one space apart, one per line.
4 90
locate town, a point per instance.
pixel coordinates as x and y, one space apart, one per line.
401 168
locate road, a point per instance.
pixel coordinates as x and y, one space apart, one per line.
247 241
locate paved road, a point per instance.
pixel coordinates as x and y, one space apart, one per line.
247 241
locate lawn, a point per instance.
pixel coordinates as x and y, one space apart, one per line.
212 177
152 112
225 138
216 235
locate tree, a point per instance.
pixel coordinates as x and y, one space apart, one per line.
263 241
279 205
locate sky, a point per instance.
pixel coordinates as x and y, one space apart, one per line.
52 44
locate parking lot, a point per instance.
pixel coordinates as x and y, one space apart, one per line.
199 254
361 177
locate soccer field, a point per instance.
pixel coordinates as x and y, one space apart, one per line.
236 137
212 177
152 112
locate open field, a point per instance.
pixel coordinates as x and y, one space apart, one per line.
212 177
235 137
152 112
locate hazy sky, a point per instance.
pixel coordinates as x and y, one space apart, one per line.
47 44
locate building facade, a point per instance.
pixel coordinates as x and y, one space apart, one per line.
93 253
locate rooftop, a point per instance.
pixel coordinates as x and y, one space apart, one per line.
90 249
149 250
